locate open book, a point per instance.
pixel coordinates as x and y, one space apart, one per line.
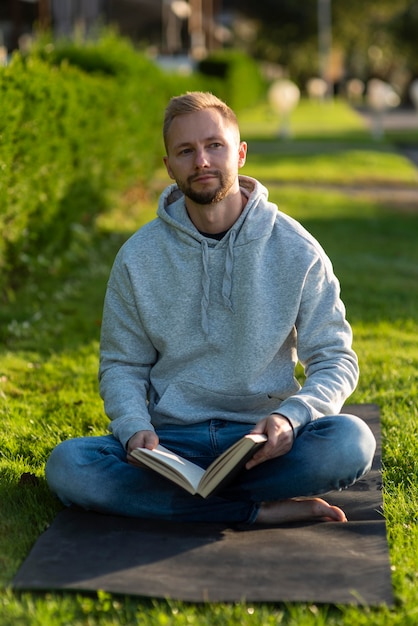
192 477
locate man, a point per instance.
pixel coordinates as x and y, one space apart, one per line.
208 309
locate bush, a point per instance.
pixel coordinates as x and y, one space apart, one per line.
240 82
79 121
45 156
76 122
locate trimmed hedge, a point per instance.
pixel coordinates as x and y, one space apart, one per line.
67 138
77 121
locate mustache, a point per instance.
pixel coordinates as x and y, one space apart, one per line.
203 173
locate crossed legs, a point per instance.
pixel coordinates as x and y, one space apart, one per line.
330 453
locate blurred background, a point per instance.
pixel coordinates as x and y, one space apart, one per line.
344 44
326 90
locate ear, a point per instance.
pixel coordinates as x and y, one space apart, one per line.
168 168
242 154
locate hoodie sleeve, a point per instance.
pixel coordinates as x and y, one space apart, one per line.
324 340
126 357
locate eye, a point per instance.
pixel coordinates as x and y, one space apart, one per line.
215 144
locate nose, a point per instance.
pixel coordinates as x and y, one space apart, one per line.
201 158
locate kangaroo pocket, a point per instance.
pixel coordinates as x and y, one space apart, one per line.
186 402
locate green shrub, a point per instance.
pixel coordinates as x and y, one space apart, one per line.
110 54
80 121
69 137
240 82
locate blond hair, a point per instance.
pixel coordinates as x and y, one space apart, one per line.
194 101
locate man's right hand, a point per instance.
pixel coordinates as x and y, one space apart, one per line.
141 439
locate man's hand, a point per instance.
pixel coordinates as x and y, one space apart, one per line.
280 438
141 439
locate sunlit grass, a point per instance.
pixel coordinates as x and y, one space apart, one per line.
333 120
329 143
330 164
311 119
48 388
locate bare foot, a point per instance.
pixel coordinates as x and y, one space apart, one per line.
296 510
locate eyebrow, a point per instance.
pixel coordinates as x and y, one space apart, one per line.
184 144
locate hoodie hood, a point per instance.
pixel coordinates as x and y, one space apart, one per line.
249 226
172 210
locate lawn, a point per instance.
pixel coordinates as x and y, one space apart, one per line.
329 144
49 350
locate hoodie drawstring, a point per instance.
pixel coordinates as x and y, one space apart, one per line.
204 304
226 283
229 266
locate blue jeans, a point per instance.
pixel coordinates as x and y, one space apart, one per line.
330 453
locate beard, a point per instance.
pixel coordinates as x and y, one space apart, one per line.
207 196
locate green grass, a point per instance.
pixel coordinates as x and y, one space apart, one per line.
48 391
308 120
329 145
336 163
325 121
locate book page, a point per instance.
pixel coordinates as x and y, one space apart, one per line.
174 464
232 459
192 477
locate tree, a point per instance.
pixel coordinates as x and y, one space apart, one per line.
404 29
363 35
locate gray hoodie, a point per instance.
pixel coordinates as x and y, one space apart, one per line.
197 329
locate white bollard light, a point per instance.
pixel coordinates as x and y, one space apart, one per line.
317 88
284 96
380 97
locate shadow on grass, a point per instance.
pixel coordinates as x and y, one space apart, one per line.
61 307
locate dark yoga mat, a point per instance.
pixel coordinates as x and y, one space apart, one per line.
321 562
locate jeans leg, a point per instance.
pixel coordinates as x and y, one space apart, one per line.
330 453
92 472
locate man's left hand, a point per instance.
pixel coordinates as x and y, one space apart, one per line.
280 438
